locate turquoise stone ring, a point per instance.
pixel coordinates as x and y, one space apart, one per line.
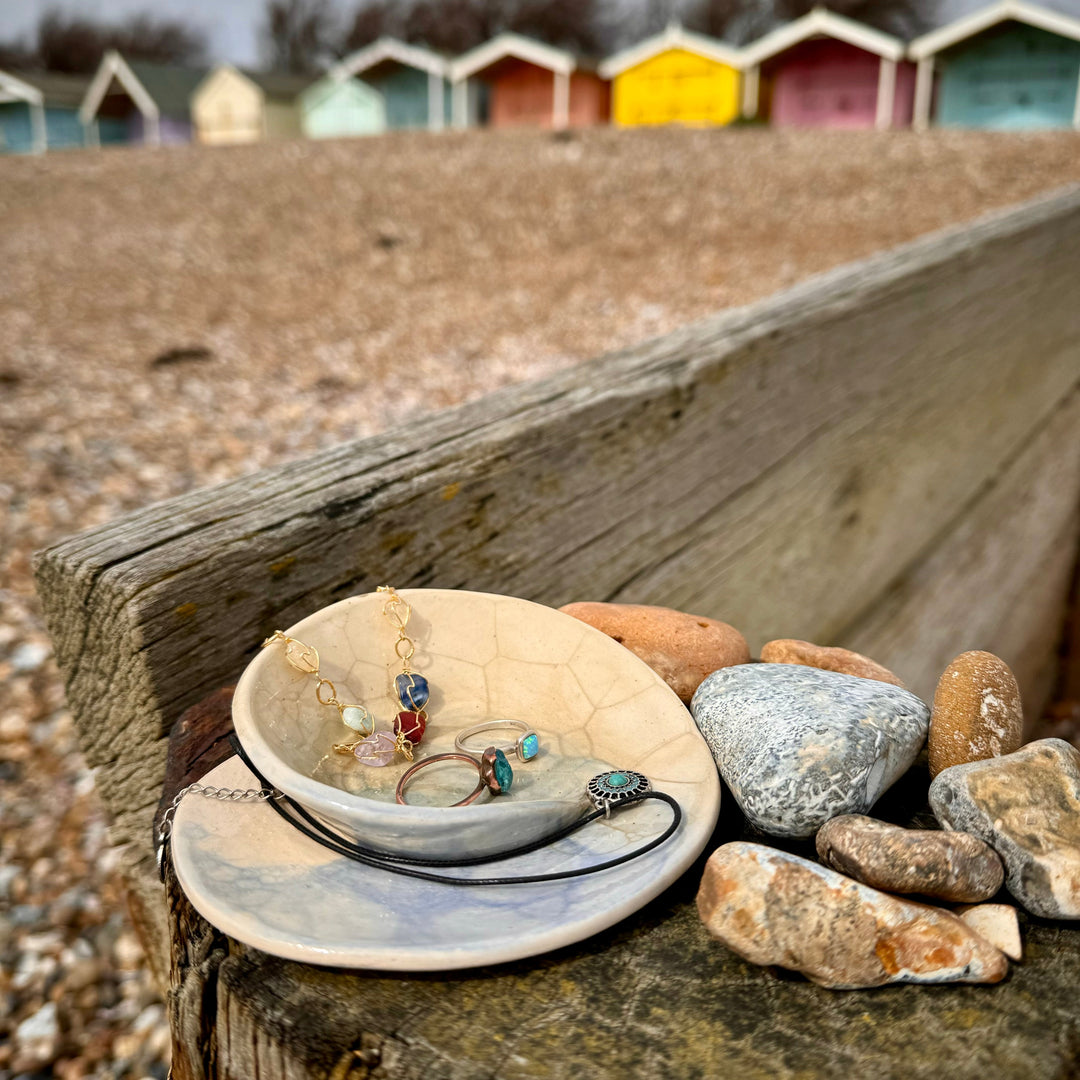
526 747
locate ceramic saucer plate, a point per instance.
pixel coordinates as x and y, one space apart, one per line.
262 882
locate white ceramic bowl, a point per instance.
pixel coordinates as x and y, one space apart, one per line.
595 705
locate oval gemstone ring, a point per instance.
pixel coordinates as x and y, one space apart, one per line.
496 775
526 747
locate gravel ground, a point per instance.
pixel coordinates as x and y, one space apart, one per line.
171 319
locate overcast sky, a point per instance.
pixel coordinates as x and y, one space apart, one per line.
230 25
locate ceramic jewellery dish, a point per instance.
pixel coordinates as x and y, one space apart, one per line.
375 748
494 771
526 747
595 705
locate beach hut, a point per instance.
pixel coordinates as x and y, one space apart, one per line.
22 116
232 106
40 112
139 102
675 77
824 70
341 108
1012 65
413 82
529 84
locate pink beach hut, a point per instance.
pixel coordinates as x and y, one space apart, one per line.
828 71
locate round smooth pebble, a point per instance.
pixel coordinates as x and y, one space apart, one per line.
681 648
951 866
977 712
827 658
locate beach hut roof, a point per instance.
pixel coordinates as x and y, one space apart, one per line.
156 89
674 37
13 88
57 89
277 86
516 46
390 49
1003 11
820 22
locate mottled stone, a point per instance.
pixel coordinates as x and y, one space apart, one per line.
771 907
997 923
682 649
1026 806
798 746
977 712
827 658
953 866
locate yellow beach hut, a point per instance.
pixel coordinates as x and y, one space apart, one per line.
232 106
676 77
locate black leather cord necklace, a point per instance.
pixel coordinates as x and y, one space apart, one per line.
606 791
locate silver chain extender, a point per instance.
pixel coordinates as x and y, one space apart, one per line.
209 792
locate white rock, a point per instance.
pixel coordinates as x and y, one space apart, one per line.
38 1034
995 922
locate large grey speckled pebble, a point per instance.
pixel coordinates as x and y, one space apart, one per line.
798 746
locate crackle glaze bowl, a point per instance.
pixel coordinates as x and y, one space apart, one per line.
594 705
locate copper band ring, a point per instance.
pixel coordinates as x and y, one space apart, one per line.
485 768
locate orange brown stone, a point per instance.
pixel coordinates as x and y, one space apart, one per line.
826 657
681 648
977 712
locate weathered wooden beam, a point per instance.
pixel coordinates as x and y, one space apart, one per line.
998 578
781 466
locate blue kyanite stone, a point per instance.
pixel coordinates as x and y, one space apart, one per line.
530 747
412 690
617 780
503 773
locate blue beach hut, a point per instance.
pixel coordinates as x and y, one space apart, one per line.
40 111
340 108
412 82
1010 66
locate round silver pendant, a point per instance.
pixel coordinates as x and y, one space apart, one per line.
611 788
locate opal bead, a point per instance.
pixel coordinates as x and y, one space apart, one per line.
530 747
412 690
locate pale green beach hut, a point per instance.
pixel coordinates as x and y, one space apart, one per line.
339 108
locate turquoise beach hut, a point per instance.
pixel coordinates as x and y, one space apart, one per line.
412 81
40 111
1010 66
341 108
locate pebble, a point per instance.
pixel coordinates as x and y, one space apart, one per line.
772 907
29 656
682 649
997 923
798 746
953 866
977 712
1026 806
37 1036
827 658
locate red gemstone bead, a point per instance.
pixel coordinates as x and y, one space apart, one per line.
411 725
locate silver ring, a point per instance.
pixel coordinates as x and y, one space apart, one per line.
526 748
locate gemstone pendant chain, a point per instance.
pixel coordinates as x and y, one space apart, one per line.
373 747
410 686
